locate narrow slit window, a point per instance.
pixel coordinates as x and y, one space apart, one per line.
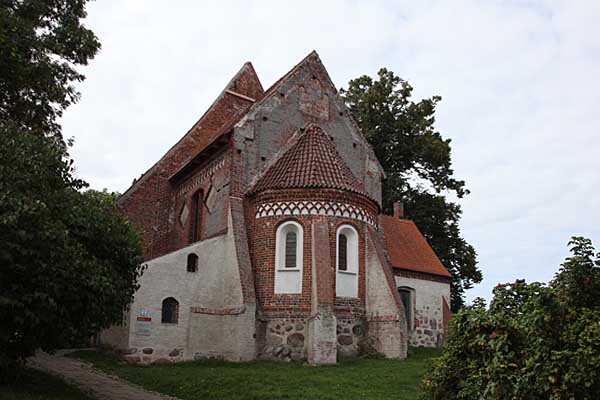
343 252
290 250
196 223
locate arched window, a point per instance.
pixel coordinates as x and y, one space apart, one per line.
192 262
346 262
407 296
288 258
170 311
291 241
342 252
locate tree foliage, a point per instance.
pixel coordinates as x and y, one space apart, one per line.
69 260
535 341
41 43
417 162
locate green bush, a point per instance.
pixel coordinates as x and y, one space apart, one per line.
69 259
535 341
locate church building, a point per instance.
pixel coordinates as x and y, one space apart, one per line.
263 237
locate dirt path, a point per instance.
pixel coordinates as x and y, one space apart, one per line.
89 380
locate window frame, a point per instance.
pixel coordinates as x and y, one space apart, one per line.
288 280
174 312
346 281
194 257
352 244
280 245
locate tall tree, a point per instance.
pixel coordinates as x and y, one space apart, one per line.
69 260
417 162
41 44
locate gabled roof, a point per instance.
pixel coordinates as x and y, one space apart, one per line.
233 102
311 162
408 249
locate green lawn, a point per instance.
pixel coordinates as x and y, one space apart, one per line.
212 379
36 385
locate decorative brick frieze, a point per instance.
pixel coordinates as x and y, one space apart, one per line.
200 176
308 207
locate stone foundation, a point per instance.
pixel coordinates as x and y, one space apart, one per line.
284 339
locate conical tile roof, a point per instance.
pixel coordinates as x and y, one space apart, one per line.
311 162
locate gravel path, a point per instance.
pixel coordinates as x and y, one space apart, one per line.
89 380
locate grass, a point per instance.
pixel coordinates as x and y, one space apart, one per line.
37 385
213 379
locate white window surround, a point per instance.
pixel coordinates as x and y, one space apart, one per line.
288 280
347 281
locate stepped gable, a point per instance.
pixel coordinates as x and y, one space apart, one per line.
408 249
311 162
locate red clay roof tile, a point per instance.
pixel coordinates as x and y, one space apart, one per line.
408 249
311 162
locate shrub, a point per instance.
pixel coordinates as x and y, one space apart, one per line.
535 341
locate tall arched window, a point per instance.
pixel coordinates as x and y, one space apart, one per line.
346 262
170 311
196 220
288 258
192 262
291 241
342 252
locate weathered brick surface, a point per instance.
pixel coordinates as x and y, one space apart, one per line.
150 203
229 308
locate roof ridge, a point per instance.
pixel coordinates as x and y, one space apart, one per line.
218 99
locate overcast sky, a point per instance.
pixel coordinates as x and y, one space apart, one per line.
519 81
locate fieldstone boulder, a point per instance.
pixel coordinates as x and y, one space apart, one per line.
277 350
174 353
345 340
296 340
274 340
148 350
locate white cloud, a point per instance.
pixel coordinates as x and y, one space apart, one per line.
518 80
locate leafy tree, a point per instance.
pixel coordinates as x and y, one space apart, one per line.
41 43
535 341
417 162
70 260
